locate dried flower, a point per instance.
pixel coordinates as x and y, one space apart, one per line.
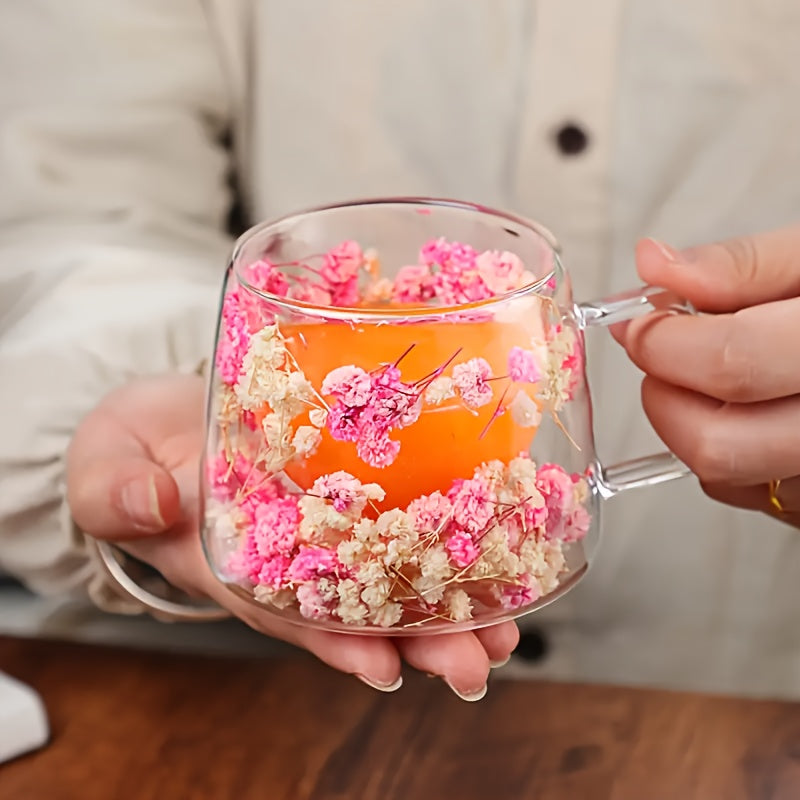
524 411
313 562
463 550
474 504
522 366
439 390
429 512
470 380
459 605
351 385
306 441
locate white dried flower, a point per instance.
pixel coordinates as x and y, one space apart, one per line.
493 472
279 598
372 572
319 516
459 605
379 291
306 440
366 531
435 563
350 609
439 390
524 411
377 594
351 551
386 615
318 417
430 589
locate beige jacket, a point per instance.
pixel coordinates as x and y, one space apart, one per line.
114 193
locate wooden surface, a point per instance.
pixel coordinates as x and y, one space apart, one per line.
131 725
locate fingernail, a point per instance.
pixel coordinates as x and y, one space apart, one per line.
670 253
686 256
498 664
470 697
381 687
140 502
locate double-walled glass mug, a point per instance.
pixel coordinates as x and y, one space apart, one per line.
399 426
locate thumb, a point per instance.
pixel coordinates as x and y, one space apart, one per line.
121 496
728 275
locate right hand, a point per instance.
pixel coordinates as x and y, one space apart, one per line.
132 478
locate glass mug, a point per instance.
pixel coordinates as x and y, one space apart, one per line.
399 425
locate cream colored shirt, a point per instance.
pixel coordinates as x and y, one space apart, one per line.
113 197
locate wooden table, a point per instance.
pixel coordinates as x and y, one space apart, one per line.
135 726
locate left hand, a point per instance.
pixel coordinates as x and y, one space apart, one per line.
722 389
132 478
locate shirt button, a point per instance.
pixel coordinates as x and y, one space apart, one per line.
571 139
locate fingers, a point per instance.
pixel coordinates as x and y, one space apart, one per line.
744 357
729 275
758 498
499 641
458 658
114 489
725 442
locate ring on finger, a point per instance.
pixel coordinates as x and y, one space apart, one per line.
774 500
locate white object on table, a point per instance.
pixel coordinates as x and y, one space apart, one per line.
23 721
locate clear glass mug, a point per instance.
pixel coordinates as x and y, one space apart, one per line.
399 425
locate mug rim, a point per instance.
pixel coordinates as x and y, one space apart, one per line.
378 315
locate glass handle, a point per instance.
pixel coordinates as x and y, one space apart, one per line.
660 467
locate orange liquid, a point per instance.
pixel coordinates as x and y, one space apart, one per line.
445 443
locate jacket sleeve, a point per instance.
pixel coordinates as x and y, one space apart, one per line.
113 196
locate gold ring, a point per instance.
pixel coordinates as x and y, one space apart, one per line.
773 496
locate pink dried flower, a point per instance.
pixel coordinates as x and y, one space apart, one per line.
463 550
342 263
386 404
578 524
514 597
557 488
313 562
449 255
534 515
429 512
275 526
339 273
501 272
341 488
273 572
249 420
378 450
226 479
266 276
470 380
413 284
455 286
349 384
234 339
522 366
344 423
573 364
260 491
312 603
246 563
307 292
474 504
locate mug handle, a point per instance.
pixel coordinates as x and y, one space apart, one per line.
659 467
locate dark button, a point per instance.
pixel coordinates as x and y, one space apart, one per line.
572 139
532 646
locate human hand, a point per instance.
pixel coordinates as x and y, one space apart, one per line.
722 389
132 478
